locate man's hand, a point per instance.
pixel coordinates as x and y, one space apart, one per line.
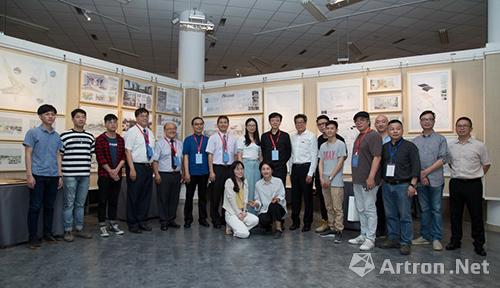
370 183
309 179
31 181
133 174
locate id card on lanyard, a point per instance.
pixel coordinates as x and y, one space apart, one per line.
357 147
199 156
275 154
149 150
225 154
390 169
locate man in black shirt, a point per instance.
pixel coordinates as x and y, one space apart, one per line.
400 170
276 147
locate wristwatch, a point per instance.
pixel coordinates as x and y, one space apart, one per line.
412 185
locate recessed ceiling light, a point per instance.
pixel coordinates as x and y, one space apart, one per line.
94 36
302 52
284 65
222 21
224 67
212 45
399 41
330 32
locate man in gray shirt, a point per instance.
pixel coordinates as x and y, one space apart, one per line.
433 151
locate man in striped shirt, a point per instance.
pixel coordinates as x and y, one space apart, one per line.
77 148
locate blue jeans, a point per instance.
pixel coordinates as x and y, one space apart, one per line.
431 220
252 174
44 194
75 194
397 205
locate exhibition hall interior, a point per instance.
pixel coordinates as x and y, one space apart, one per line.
243 143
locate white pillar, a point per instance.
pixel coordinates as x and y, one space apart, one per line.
191 51
493 21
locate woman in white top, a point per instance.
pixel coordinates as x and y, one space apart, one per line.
249 153
270 200
236 201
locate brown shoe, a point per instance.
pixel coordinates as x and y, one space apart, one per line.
322 227
405 250
68 236
83 234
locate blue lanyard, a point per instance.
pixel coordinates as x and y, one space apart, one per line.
393 150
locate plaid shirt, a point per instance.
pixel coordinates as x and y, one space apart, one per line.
104 156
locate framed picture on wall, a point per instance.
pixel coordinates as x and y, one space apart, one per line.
95 118
14 125
12 157
390 116
232 102
137 95
99 88
168 101
163 119
287 100
384 103
383 83
128 120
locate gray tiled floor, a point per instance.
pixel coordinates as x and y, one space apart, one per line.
205 257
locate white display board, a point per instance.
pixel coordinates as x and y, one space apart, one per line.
168 101
340 100
14 125
26 82
232 102
99 88
286 100
430 91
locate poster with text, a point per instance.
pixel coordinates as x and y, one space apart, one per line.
168 101
232 102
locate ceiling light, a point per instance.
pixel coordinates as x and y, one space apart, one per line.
259 61
175 20
399 41
337 4
25 23
330 32
86 16
354 48
123 52
302 52
124 1
210 37
443 36
313 10
222 21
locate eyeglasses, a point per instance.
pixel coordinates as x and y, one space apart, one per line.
321 123
463 126
427 119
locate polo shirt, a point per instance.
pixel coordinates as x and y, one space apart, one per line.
190 148
467 160
46 145
432 148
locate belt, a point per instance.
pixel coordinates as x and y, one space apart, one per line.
171 172
222 165
467 180
396 182
301 164
142 164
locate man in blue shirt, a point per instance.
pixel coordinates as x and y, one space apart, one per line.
43 174
196 172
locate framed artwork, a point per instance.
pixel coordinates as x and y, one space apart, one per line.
232 102
128 120
137 95
390 116
430 90
287 100
383 83
163 119
14 125
168 101
95 118
99 88
384 103
12 157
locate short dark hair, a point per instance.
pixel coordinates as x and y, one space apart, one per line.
466 119
76 111
140 111
362 114
427 112
197 118
323 116
222 117
265 163
110 117
46 108
298 116
332 122
395 121
274 115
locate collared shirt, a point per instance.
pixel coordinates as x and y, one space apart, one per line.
215 147
46 145
404 156
431 148
265 191
304 150
467 160
190 148
370 147
251 151
386 139
163 155
136 144
104 155
283 146
77 150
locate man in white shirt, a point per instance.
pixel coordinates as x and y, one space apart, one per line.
139 145
304 161
221 149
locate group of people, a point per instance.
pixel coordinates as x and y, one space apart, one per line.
244 178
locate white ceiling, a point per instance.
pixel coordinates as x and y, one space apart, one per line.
157 42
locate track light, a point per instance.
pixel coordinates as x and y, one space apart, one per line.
443 36
313 10
175 20
337 4
86 15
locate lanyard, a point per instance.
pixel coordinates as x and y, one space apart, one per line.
359 140
393 149
275 144
198 145
146 135
171 146
224 142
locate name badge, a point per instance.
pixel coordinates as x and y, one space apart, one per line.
390 169
354 160
177 161
199 158
225 157
149 152
275 155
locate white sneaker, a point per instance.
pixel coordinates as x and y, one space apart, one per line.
104 231
420 241
367 245
436 245
114 228
357 241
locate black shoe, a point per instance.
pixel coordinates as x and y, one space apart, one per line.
174 225
480 251
217 226
145 227
306 228
34 244
164 227
277 234
135 230
294 227
50 239
338 237
204 223
453 246
388 244
405 250
187 225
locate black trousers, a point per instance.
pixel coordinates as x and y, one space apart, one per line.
216 192
300 189
470 193
280 172
139 194
275 212
43 195
319 194
168 196
109 190
381 226
199 181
